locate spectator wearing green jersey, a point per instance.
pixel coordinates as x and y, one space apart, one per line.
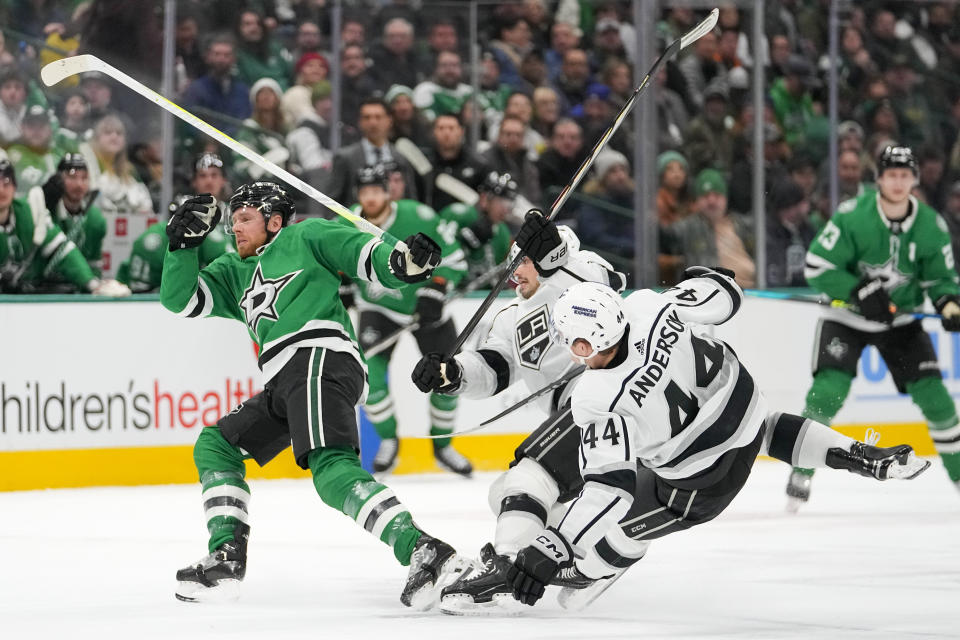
258 54
884 253
443 92
32 156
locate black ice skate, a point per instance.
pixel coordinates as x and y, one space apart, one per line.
452 460
798 488
578 590
873 462
216 577
433 565
481 590
386 458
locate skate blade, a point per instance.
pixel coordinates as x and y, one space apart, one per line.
908 470
225 591
794 504
578 599
502 604
428 596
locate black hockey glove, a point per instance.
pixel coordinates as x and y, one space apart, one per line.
537 565
347 292
417 263
541 241
477 234
192 221
430 299
872 300
949 309
433 373
696 272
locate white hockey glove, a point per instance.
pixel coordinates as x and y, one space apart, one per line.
109 289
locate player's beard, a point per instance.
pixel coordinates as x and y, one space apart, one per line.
379 215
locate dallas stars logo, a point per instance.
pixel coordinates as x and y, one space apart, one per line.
887 273
259 300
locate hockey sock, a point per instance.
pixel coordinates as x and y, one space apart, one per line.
379 405
525 496
344 485
443 412
800 441
225 494
937 406
825 398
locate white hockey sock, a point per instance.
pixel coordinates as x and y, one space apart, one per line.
800 441
523 497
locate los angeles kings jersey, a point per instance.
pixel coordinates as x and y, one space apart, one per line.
517 345
287 294
674 399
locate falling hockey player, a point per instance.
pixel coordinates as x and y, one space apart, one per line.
283 283
545 471
883 247
661 392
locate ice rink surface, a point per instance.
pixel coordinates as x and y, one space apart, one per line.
863 559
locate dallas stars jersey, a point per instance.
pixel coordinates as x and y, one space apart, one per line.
287 294
409 217
143 269
32 254
517 345
482 259
910 257
673 398
33 167
86 231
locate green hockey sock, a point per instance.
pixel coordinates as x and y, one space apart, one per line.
379 404
825 398
443 413
225 494
937 406
344 485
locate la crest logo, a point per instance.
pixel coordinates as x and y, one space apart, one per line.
259 300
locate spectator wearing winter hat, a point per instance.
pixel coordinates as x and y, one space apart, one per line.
263 132
607 43
310 69
443 92
606 221
673 202
789 234
408 121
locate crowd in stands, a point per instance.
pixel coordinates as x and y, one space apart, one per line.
552 76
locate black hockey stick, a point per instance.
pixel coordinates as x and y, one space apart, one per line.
567 377
672 50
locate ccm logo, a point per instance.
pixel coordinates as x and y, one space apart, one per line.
549 546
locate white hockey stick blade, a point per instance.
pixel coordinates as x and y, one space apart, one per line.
412 153
700 30
60 69
447 183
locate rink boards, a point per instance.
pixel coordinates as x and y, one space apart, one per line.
115 392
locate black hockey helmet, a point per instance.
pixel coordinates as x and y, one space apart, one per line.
896 158
207 160
373 175
501 185
267 197
72 162
6 170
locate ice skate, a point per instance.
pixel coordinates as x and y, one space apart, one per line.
898 462
481 590
386 458
452 460
578 590
216 577
433 565
798 488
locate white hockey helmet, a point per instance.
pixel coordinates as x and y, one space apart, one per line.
590 311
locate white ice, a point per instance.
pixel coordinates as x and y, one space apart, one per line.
863 559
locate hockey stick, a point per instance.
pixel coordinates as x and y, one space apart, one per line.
406 147
567 377
56 71
415 323
821 300
672 49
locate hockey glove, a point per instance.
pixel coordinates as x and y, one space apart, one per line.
949 309
433 373
419 260
541 241
192 221
696 272
109 288
477 234
872 300
347 292
430 299
537 565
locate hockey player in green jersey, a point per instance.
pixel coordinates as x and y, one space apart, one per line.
282 283
481 229
31 245
142 270
882 253
383 311
70 203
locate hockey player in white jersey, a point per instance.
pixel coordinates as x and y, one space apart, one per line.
516 348
661 392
